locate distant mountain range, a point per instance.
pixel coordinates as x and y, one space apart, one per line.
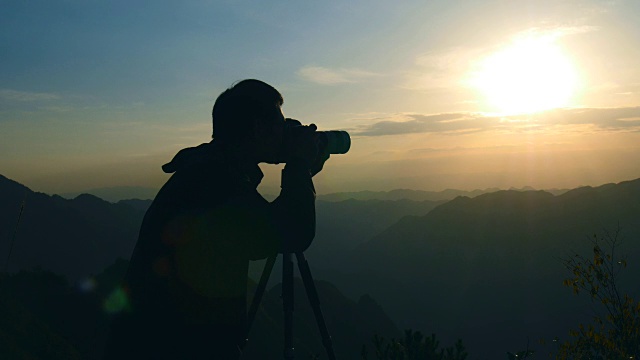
117 193
483 267
75 238
487 269
43 317
419 195
350 323
81 236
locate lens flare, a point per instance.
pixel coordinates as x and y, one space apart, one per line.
87 285
117 301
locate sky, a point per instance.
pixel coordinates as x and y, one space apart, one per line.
435 94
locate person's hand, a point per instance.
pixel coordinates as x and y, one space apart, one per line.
302 144
318 164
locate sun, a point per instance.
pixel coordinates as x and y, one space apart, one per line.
531 75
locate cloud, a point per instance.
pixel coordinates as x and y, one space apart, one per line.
418 123
26 96
326 76
603 119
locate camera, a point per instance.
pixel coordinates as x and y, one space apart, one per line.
329 142
334 141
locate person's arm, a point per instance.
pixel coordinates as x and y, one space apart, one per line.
292 215
285 225
294 212
250 227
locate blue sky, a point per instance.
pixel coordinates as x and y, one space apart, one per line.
101 93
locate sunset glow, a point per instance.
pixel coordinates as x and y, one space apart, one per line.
149 182
98 95
530 75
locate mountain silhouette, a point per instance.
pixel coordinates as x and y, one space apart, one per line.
117 193
400 194
24 335
484 268
44 317
81 236
60 240
351 324
75 238
487 269
344 225
419 195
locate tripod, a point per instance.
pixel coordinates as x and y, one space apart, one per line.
287 301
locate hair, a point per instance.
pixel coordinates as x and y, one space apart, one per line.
239 107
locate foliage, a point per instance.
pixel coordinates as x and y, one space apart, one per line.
520 355
24 334
616 334
525 354
415 346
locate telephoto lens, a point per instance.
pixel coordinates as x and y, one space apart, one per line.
330 142
334 141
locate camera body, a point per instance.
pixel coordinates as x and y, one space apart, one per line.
329 142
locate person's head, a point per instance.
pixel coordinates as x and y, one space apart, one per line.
249 115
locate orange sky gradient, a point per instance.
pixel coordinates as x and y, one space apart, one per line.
475 94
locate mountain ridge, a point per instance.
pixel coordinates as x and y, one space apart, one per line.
495 251
75 237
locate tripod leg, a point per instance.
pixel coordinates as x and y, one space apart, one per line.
312 294
287 304
257 297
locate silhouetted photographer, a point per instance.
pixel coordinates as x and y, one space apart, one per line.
187 279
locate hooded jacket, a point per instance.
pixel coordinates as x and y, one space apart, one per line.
187 279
